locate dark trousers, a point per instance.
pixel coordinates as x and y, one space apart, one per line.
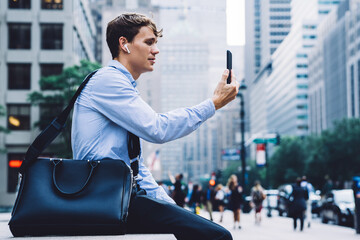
301 217
149 215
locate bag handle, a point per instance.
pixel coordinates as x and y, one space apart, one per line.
93 165
57 125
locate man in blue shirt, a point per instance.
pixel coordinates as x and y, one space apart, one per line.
110 106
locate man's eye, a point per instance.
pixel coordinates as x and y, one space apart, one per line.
149 43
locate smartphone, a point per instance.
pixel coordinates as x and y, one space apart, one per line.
229 65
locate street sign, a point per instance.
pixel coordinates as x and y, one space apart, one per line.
268 138
260 155
230 154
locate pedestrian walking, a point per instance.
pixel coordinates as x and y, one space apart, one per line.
307 186
110 110
220 200
210 199
297 205
196 199
257 198
178 193
236 199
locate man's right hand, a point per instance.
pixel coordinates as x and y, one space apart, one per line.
225 93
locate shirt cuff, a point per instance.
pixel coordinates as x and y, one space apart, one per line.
207 109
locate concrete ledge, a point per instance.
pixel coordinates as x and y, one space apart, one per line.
6 234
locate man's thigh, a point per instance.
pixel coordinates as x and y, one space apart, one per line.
148 215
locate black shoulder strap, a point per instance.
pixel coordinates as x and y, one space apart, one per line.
57 125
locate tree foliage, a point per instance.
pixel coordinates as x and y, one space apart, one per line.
287 163
334 153
56 93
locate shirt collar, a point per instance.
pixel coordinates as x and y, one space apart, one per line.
119 66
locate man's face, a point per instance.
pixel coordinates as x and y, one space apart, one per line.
143 50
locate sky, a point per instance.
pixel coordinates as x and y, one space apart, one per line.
235 14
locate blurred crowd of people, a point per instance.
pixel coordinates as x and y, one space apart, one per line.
215 197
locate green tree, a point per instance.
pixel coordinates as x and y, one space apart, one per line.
288 161
256 173
56 94
339 153
3 129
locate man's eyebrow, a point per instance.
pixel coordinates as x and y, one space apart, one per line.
151 39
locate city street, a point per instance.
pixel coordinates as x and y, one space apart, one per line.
270 229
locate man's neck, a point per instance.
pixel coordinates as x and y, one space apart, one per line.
128 67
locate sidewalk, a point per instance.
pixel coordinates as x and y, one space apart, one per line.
281 228
274 228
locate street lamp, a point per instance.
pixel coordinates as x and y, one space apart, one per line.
242 129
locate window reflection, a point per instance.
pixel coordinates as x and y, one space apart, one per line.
52 4
18 116
19 35
19 4
19 76
51 36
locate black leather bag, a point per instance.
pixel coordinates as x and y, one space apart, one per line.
72 197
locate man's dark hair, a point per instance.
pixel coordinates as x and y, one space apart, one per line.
127 25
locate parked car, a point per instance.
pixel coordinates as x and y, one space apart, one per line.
338 206
271 197
315 199
284 199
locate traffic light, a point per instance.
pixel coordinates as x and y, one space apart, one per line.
278 139
212 181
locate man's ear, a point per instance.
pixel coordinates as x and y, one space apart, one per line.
122 44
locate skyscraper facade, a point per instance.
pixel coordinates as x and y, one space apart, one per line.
267 24
287 87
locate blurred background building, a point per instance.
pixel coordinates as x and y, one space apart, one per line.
38 38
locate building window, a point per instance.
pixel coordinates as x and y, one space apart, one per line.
49 69
301 55
302 106
302 96
302 86
19 4
51 36
301 65
52 4
19 76
303 127
19 35
14 163
18 116
302 116
301 76
47 113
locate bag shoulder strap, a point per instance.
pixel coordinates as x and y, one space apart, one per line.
57 125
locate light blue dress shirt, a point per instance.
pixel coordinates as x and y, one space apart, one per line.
110 105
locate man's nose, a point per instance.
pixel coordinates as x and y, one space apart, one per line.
155 49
